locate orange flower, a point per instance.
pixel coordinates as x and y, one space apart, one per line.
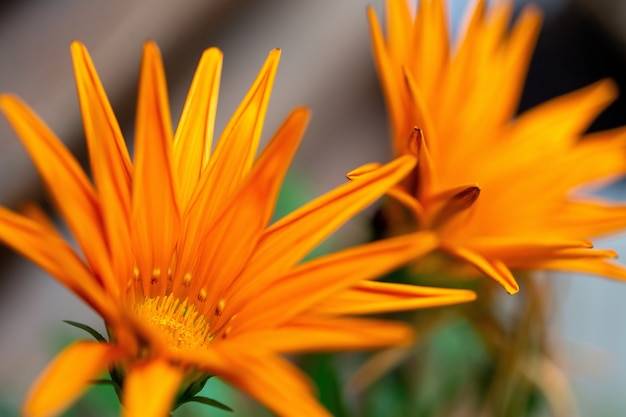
501 191
179 259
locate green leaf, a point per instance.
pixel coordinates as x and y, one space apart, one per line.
211 402
88 329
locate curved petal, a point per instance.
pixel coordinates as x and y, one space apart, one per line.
601 267
68 185
493 268
268 378
69 375
392 87
110 163
288 240
221 252
150 388
521 246
237 146
310 334
315 280
48 250
370 297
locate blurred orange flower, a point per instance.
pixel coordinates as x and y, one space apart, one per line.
501 191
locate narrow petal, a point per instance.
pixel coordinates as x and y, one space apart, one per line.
309 283
430 42
493 268
523 246
288 240
221 252
68 185
520 47
427 174
370 297
154 205
237 146
267 378
68 376
48 250
194 135
544 129
150 388
35 212
516 261
601 267
110 163
310 334
390 77
601 217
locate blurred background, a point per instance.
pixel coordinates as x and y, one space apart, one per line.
326 65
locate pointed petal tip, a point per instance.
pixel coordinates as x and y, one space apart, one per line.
212 53
511 288
406 162
363 170
8 100
151 49
301 111
77 46
606 88
274 54
415 140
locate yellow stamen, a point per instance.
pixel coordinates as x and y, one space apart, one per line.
180 323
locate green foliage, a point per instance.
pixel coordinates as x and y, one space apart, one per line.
324 372
96 335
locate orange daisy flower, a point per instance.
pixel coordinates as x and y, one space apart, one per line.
501 191
179 260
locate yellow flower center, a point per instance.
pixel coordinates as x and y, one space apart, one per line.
179 323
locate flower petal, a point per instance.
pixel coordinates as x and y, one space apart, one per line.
194 135
268 378
309 334
110 163
493 268
311 282
150 388
390 77
370 297
68 185
600 267
48 250
154 206
69 375
288 240
235 151
221 252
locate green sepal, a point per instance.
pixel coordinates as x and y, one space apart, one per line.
191 391
88 329
104 382
211 402
190 395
